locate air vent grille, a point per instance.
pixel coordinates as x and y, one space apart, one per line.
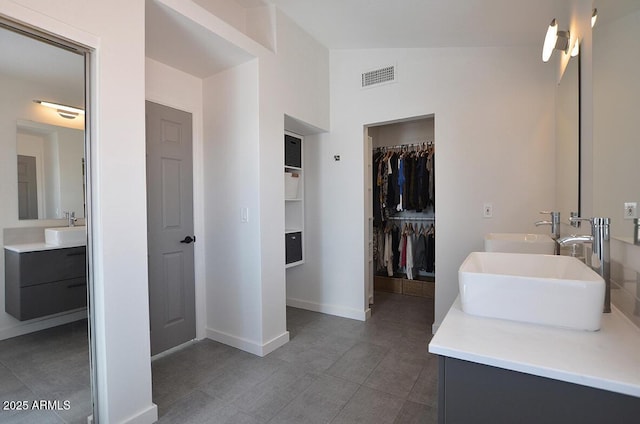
379 76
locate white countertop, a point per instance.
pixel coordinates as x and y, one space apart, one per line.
35 247
608 359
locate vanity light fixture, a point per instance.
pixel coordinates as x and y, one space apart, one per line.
594 17
554 40
68 112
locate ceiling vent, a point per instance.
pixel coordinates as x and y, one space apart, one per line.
379 76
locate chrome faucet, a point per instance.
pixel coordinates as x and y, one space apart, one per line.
71 218
600 259
555 226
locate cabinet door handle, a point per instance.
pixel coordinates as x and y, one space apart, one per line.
73 286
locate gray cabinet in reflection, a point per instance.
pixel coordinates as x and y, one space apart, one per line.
45 282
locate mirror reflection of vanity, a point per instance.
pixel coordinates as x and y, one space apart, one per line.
43 286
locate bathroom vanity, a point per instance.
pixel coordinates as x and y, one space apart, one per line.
41 279
501 371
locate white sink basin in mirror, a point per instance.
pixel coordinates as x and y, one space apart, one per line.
519 243
66 236
560 291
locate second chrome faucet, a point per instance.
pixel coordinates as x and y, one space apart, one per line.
600 256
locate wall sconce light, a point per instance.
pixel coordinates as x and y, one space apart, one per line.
554 40
594 17
68 112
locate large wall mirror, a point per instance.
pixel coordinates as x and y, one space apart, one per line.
616 106
567 131
44 319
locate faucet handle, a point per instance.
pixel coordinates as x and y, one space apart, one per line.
577 219
555 216
552 213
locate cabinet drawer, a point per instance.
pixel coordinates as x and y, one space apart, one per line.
293 247
50 298
51 265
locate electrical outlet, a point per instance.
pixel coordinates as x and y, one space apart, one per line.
630 210
487 210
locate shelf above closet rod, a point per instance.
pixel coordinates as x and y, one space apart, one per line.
401 146
409 218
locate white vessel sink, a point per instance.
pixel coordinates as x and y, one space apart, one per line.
63 236
551 290
519 243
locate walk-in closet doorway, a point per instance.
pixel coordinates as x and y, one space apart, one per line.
400 211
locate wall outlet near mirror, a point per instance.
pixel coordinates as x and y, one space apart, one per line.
630 210
487 210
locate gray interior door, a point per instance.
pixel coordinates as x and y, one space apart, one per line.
27 188
170 227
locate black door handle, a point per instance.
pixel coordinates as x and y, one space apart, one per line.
188 240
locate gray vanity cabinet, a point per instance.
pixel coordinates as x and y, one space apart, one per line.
475 393
45 282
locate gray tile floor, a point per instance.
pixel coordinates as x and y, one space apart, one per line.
334 370
51 364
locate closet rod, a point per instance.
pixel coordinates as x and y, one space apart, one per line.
400 146
407 218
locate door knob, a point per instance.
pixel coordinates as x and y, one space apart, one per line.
188 239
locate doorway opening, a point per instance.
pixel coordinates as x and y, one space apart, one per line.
401 213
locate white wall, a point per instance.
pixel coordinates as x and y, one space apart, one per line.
294 82
493 110
242 159
230 151
120 254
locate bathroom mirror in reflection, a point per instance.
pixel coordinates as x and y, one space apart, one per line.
50 163
567 136
616 102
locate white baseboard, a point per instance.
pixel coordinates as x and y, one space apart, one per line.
42 324
339 311
148 416
248 345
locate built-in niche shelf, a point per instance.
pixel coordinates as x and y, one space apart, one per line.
293 200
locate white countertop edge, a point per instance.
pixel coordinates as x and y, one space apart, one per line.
553 371
35 247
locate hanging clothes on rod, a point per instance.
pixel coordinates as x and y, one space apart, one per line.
403 179
408 248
